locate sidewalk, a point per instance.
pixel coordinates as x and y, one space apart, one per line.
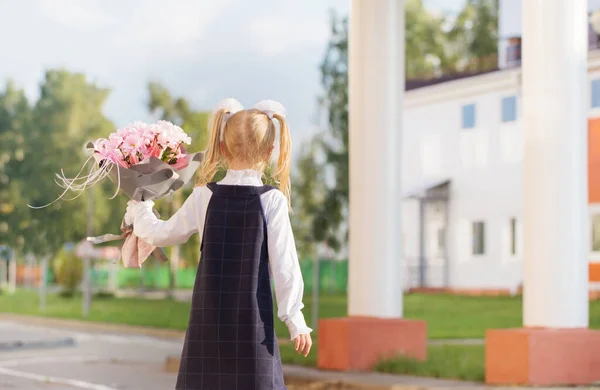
94 327
298 377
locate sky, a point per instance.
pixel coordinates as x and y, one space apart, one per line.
203 50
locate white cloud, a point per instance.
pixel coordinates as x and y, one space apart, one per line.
75 14
278 34
176 22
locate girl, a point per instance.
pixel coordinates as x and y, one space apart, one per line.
230 342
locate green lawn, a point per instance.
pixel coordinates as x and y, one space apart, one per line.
466 362
447 317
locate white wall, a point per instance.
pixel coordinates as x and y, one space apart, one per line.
485 171
510 24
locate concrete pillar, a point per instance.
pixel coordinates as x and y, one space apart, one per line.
555 104
375 327
555 347
376 89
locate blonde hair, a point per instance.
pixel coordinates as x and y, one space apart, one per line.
248 137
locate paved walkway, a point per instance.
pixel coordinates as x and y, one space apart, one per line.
111 357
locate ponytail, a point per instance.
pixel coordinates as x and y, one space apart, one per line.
212 156
282 175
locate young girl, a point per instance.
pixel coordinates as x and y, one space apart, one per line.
230 342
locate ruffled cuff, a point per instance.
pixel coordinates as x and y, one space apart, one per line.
142 209
297 326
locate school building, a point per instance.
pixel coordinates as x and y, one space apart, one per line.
462 173
463 180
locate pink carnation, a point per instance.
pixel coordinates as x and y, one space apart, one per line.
139 141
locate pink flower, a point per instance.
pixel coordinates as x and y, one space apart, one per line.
132 143
139 141
154 151
181 163
133 159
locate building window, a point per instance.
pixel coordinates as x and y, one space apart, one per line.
513 236
596 93
478 238
595 232
468 116
509 109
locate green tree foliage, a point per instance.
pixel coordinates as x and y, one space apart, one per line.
307 200
425 42
473 38
43 139
15 114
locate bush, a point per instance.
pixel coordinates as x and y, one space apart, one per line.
68 270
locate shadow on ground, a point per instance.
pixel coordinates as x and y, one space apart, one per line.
304 384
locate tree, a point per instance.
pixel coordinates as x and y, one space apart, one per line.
15 115
425 42
50 136
473 39
177 110
309 193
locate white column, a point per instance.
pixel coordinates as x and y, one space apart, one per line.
555 103
376 88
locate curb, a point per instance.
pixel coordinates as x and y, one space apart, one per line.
19 345
95 327
102 327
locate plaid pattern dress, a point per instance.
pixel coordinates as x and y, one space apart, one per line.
230 342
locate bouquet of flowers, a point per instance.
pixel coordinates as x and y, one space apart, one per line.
146 162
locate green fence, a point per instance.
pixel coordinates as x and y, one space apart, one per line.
333 277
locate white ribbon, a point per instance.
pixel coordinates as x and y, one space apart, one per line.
271 107
230 106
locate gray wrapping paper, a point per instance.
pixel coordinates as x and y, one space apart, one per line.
149 180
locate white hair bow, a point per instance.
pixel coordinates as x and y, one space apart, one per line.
230 106
271 107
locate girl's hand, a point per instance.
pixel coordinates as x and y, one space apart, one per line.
302 344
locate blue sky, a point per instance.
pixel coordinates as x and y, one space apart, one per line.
204 50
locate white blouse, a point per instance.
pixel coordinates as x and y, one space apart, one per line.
283 258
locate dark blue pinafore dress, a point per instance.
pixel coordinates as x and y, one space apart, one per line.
230 342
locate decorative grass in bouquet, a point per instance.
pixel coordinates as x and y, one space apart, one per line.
146 162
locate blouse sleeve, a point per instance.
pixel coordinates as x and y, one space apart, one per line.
283 258
177 230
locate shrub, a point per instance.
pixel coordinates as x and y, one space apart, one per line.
68 270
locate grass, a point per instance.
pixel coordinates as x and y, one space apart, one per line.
129 311
465 362
447 316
